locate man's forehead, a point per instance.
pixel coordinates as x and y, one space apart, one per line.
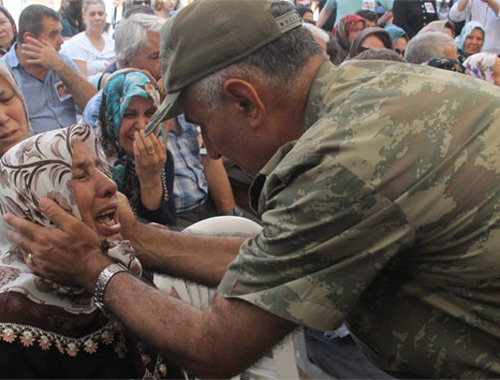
49 24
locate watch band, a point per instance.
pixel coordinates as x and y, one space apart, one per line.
102 282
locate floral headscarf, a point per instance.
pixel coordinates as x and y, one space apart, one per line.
446 63
344 27
482 66
119 90
7 75
466 32
41 166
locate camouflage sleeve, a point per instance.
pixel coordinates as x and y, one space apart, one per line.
326 235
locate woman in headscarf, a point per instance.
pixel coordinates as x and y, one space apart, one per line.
142 167
484 66
370 39
8 30
346 31
446 63
399 38
471 40
14 122
47 329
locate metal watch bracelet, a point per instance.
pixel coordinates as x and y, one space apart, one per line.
103 280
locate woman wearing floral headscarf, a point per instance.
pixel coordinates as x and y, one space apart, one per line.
142 167
471 40
485 66
347 30
47 329
14 122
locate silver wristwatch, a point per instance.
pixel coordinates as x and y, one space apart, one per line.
102 282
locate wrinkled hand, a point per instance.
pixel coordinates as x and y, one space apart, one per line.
41 53
68 253
126 217
150 155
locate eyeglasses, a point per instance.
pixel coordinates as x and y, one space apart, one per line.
400 52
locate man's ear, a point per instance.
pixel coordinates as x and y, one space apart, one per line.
26 35
246 98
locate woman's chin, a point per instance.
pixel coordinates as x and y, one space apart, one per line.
112 232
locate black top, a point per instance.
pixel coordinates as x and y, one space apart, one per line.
413 15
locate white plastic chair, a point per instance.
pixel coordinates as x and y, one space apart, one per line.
282 363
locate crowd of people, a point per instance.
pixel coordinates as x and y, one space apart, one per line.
362 132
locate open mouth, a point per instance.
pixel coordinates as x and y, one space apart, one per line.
107 222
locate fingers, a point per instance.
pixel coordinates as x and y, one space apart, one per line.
22 225
57 215
149 148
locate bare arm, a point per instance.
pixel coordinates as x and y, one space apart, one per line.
323 16
386 18
494 5
218 343
82 66
207 344
218 184
44 54
461 5
199 258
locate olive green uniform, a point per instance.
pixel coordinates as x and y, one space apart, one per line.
386 214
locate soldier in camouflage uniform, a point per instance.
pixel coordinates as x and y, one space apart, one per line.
377 183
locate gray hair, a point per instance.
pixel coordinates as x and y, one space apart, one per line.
277 64
131 35
317 32
428 45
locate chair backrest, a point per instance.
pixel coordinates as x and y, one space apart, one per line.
281 363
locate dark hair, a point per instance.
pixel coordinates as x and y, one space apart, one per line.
73 13
368 15
12 22
302 9
334 50
380 54
31 19
138 9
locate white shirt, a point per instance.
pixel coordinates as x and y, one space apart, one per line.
476 10
80 48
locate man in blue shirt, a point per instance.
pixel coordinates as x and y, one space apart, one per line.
49 81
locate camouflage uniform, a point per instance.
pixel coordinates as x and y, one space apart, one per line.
386 213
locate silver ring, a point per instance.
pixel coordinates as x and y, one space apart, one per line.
29 260
151 152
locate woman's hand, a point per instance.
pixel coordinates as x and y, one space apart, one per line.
150 156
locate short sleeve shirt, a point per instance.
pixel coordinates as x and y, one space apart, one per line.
50 104
386 214
80 48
